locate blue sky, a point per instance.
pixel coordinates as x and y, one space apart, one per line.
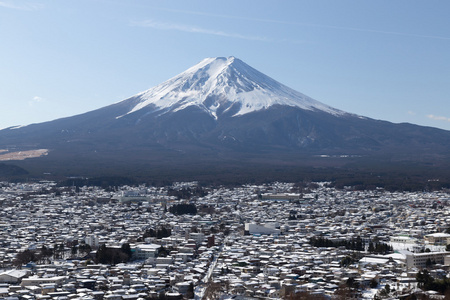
386 60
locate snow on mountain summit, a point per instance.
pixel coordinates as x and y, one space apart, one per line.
218 84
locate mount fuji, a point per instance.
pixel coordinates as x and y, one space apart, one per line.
220 112
224 85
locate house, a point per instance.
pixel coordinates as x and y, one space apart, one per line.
4 292
438 238
13 276
56 280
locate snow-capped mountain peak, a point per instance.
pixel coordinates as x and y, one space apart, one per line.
218 84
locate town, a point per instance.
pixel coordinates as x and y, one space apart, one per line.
186 241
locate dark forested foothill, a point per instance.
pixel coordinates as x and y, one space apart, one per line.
11 170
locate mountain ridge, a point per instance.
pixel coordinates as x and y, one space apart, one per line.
220 113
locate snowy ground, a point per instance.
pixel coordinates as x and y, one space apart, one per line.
410 247
21 155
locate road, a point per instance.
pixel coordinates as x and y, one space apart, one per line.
199 291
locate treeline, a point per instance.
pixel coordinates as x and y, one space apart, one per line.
42 255
427 282
358 173
380 248
392 184
106 255
354 244
46 254
159 233
398 177
183 208
104 182
187 193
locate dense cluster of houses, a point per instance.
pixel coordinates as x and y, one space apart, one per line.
248 242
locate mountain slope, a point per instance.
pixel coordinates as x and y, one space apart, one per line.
221 85
219 112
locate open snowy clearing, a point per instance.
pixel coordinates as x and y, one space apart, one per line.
21 155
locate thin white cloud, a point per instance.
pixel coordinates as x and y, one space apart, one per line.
411 113
22 6
438 118
307 24
195 29
36 100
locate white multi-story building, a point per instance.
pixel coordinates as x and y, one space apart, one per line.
92 241
419 260
145 251
197 237
253 228
439 238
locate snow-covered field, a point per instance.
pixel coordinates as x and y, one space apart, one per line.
21 155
